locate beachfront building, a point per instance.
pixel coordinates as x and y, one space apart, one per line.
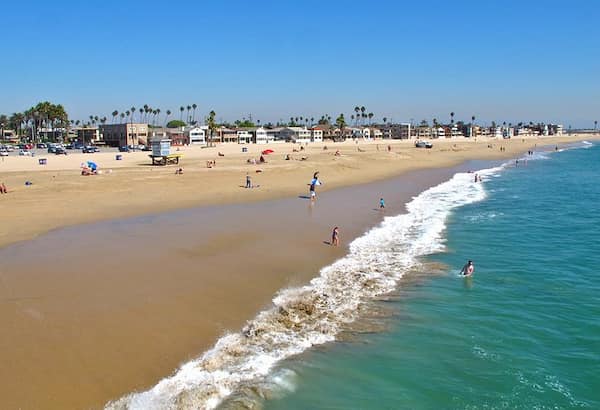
196 135
87 135
423 131
397 131
226 135
316 135
261 136
376 133
455 132
265 136
8 135
243 137
119 135
325 129
496 132
295 134
439 132
556 129
366 133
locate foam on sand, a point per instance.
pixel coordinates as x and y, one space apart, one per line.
314 314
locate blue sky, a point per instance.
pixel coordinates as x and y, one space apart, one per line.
505 61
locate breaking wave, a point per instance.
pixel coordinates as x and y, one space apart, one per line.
315 313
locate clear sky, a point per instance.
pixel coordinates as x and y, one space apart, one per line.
498 60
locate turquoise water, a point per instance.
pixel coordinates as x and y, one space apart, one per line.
524 332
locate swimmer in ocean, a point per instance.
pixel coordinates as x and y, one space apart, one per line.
468 269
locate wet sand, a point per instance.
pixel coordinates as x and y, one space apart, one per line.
96 311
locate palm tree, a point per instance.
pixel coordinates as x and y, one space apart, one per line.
595 125
189 119
452 117
362 110
132 113
141 110
181 110
370 115
341 123
158 113
212 125
128 113
472 124
114 114
167 116
194 106
352 118
356 110
385 120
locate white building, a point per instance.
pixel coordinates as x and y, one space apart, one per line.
197 135
455 132
440 132
316 135
244 137
263 136
295 134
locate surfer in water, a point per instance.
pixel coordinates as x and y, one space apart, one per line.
468 269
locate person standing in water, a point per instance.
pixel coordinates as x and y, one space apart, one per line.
468 269
335 237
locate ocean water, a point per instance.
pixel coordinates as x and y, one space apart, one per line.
522 333
392 325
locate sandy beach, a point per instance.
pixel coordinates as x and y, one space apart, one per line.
60 196
95 311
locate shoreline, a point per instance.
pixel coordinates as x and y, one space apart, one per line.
60 197
110 308
70 307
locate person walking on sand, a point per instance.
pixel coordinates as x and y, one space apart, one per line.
381 204
335 237
248 181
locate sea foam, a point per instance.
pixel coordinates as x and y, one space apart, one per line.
315 313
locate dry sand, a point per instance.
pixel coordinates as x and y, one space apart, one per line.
60 196
95 311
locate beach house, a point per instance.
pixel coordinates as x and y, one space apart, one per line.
196 135
243 137
316 135
295 134
119 135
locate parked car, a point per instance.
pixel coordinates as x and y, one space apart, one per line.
423 144
89 149
123 149
25 152
9 148
60 151
3 153
52 149
41 145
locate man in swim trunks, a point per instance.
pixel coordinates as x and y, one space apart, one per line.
468 269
